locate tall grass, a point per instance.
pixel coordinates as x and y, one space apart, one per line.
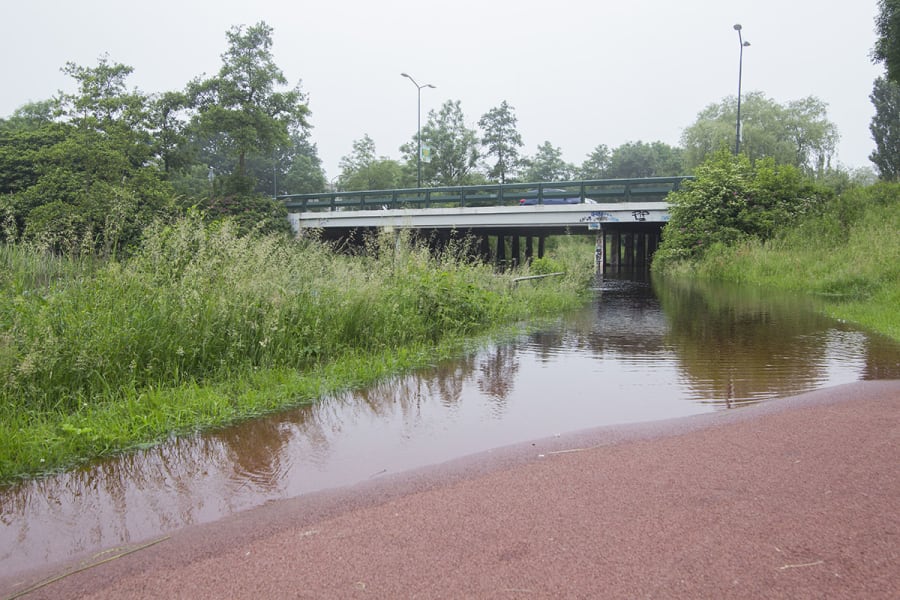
848 255
203 326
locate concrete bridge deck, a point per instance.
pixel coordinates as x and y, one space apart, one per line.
544 219
626 214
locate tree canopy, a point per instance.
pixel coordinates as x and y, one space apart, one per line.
797 133
502 141
87 170
454 147
240 111
548 165
78 173
885 128
887 45
364 170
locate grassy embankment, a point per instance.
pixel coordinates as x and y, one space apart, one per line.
203 327
847 255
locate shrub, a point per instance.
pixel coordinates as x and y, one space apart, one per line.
732 200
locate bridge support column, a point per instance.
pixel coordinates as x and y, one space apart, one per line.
500 257
615 250
529 249
652 245
442 240
600 252
515 253
541 246
484 250
641 254
628 259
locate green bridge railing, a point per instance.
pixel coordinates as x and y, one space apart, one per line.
505 194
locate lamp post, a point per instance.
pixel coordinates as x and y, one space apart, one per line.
737 135
418 128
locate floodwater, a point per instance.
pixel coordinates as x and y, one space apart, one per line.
637 353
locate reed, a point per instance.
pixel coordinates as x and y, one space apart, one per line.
203 326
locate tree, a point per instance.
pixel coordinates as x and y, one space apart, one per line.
30 116
239 111
303 173
812 136
292 168
364 170
885 128
79 172
798 133
168 117
105 111
454 147
548 165
502 140
637 159
887 46
597 164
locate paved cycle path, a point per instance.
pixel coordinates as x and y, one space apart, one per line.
792 498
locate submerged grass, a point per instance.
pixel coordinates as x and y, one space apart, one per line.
847 255
204 327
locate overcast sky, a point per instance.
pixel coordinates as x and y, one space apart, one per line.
577 73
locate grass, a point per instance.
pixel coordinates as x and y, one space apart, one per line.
202 327
847 256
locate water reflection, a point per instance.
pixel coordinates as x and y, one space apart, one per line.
738 345
639 352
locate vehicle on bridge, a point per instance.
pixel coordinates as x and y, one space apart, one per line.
552 196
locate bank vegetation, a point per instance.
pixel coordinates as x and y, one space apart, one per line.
766 225
204 326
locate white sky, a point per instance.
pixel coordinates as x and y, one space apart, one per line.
578 73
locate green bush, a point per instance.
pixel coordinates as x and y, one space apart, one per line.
731 200
545 266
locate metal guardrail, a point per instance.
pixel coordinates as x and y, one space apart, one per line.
506 194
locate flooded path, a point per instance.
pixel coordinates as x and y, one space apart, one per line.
636 354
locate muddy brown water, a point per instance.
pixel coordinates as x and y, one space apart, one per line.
639 352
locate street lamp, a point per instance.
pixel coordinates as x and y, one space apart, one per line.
737 136
418 128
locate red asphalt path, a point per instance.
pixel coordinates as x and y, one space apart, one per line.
793 498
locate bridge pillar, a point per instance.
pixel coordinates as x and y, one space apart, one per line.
615 249
441 240
629 250
641 254
652 244
500 257
515 252
484 250
529 249
600 252
541 240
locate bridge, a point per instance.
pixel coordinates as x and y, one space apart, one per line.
626 215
